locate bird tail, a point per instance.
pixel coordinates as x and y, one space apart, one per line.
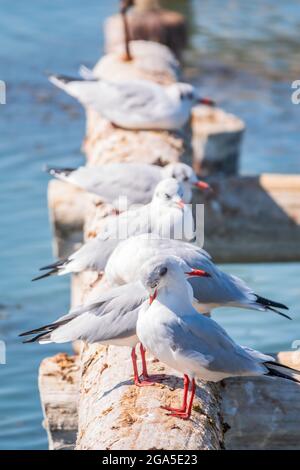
279 370
86 73
53 269
59 173
62 81
43 334
272 306
57 265
52 272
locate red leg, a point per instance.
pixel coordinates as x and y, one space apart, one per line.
135 368
188 412
144 363
183 408
147 378
137 381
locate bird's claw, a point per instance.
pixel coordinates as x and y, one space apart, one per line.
173 410
184 416
143 383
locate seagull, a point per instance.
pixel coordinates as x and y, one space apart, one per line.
165 216
110 319
195 345
219 290
134 181
136 104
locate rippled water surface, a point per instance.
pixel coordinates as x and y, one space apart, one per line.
245 54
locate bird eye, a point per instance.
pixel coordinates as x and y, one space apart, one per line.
186 178
163 271
167 196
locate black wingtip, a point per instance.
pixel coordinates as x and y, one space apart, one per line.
274 372
270 303
35 338
56 265
43 276
53 171
64 78
279 313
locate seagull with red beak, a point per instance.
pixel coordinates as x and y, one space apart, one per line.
135 104
192 344
134 181
219 290
110 318
166 216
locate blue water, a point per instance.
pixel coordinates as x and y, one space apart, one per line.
244 59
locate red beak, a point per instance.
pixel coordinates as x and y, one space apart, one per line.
153 297
202 185
180 204
206 102
198 273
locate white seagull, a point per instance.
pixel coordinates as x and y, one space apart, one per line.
135 104
173 331
111 319
135 181
219 290
165 216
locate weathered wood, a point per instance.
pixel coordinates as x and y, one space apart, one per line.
261 413
114 414
217 139
66 206
105 143
253 219
59 390
234 231
147 21
110 405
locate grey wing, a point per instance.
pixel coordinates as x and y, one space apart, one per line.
93 255
136 182
192 254
137 99
221 288
127 224
113 316
198 336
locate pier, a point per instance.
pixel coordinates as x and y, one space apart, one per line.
89 400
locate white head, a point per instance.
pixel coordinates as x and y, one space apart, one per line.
187 177
167 271
169 192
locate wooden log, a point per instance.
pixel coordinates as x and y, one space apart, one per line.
234 231
253 219
262 413
147 21
217 139
104 143
66 206
113 413
59 390
255 413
